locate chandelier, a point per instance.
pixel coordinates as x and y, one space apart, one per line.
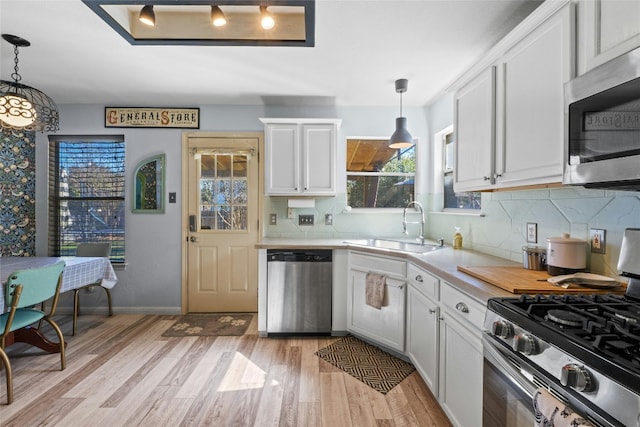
23 107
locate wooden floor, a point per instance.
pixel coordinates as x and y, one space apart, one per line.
122 372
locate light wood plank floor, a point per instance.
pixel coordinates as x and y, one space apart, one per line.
122 372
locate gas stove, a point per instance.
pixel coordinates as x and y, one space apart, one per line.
585 347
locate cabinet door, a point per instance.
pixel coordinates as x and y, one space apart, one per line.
532 76
422 336
319 159
475 133
385 326
607 29
461 363
282 165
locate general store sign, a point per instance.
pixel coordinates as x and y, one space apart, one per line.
133 117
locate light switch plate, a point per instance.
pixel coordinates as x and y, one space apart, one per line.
328 219
598 240
532 232
273 219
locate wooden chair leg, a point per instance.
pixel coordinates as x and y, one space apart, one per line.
7 368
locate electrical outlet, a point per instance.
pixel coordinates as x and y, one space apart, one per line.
273 219
305 219
598 240
328 219
289 213
532 232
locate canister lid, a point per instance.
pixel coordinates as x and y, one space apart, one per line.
565 238
534 249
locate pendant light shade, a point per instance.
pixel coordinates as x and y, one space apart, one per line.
147 16
23 107
401 138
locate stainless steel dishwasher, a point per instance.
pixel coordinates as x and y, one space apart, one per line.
299 291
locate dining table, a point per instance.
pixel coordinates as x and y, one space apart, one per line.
78 272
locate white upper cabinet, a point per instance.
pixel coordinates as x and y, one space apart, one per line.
531 126
300 157
475 126
607 28
509 117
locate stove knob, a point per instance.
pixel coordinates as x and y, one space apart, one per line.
577 377
502 329
526 344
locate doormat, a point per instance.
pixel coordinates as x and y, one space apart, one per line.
374 367
200 325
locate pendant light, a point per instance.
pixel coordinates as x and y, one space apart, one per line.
23 107
147 16
401 138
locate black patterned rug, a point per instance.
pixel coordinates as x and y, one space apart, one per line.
374 367
198 325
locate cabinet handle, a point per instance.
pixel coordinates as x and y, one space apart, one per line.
432 310
401 286
462 307
441 318
486 178
498 175
419 278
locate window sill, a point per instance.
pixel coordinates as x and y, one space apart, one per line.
460 212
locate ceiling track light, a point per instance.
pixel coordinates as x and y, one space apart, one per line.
23 107
147 16
266 19
401 138
217 17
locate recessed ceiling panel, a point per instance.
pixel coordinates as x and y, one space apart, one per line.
189 22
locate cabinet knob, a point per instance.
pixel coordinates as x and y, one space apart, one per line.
462 307
419 278
498 175
432 310
486 178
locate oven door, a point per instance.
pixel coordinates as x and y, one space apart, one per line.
507 392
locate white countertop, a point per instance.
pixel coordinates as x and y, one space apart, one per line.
442 262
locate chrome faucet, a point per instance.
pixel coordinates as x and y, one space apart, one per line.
404 220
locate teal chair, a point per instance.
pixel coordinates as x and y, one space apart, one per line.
90 250
25 290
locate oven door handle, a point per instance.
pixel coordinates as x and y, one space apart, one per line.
498 359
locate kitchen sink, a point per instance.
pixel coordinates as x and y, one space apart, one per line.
396 245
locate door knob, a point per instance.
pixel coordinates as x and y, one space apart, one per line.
193 239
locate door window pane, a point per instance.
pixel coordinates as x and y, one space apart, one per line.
223 192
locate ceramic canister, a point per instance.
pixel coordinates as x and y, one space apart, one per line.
566 255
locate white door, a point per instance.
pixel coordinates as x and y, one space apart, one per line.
223 197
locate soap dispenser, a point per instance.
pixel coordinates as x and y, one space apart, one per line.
457 239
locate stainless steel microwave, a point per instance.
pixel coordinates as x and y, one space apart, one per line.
602 126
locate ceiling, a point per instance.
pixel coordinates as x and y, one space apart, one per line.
361 48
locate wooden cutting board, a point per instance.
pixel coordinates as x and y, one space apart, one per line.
519 280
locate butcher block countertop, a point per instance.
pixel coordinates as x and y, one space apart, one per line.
518 280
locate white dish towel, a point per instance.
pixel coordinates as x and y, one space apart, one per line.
551 412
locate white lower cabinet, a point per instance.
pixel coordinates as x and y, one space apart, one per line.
461 358
422 336
385 326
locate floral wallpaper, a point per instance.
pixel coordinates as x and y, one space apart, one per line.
17 193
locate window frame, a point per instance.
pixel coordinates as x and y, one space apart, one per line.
54 241
348 173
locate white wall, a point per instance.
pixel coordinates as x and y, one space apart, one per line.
151 281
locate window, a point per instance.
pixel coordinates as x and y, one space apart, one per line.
379 176
453 200
86 193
